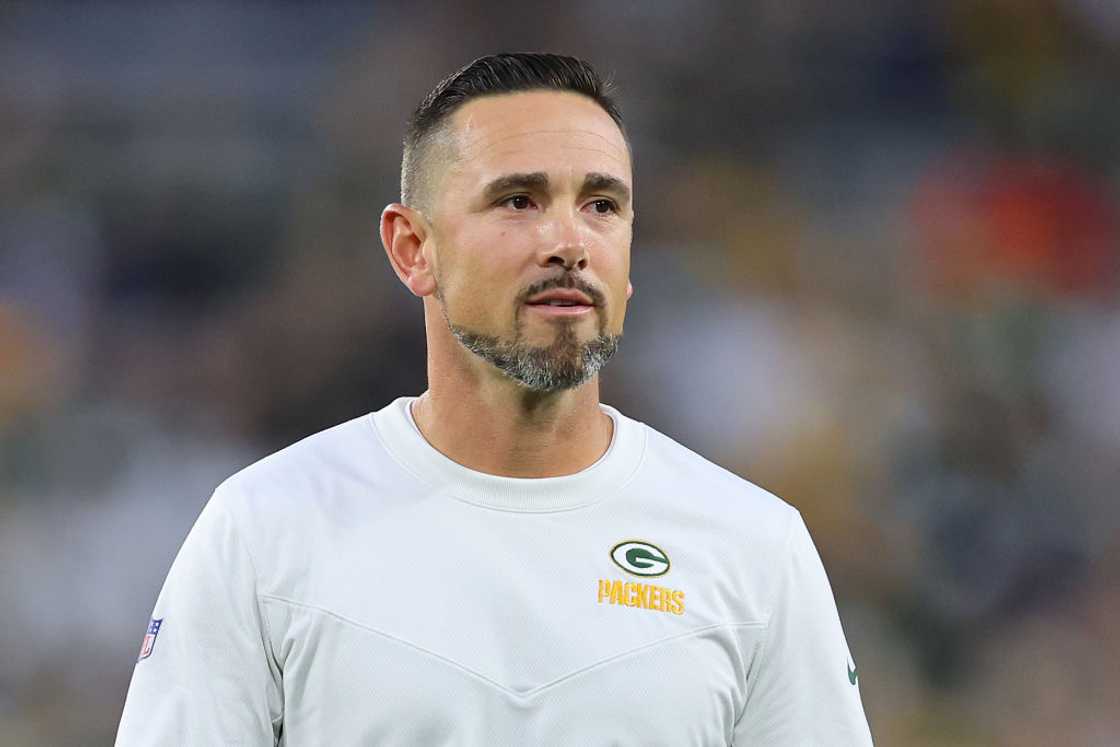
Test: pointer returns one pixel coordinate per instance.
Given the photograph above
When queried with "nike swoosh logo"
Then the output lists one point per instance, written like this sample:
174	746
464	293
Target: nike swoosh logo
853	675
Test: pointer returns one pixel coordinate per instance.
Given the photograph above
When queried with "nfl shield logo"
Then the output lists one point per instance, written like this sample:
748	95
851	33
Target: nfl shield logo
150	639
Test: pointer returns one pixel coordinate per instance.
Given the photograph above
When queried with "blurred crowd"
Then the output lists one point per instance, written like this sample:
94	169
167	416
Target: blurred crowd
877	272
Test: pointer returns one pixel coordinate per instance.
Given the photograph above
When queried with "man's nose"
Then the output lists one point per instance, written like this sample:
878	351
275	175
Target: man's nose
567	245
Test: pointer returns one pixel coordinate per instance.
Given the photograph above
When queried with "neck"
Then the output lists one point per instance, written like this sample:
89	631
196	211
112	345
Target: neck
485	421
500	428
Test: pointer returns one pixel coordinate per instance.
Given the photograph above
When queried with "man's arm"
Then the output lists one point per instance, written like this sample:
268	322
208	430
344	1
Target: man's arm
804	688
207	675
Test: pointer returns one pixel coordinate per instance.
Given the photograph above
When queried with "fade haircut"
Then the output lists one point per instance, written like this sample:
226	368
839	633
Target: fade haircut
491	76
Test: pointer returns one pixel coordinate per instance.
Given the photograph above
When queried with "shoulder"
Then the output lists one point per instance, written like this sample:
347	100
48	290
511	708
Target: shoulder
737	535
319	473
338	450
295	504
689	484
709	482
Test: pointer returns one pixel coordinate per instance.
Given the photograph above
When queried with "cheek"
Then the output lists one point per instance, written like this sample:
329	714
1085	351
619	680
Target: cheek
620	284
476	277
621	302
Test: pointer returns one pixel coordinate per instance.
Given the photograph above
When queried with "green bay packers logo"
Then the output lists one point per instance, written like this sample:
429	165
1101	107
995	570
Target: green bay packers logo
640	558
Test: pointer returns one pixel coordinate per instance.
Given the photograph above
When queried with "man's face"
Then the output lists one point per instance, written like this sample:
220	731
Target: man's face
531	222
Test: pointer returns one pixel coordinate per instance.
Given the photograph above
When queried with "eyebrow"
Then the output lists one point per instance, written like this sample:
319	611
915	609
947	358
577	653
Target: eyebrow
538	180
596	182
535	180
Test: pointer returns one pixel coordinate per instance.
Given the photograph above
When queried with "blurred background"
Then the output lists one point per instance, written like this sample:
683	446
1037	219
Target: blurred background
877	258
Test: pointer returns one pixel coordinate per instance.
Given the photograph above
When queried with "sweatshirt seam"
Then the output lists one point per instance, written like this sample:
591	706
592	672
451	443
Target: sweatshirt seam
763	644
518	694
787	556
244	545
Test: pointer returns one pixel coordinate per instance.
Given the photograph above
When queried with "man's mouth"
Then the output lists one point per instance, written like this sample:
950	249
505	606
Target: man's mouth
560	298
561	303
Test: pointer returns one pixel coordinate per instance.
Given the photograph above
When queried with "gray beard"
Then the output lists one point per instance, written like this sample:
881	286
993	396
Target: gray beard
565	364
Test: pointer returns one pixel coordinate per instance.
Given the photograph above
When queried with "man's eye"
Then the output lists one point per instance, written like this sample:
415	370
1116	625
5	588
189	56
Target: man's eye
604	206
518	202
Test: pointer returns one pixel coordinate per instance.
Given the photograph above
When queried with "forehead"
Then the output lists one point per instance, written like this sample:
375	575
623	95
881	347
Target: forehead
537	131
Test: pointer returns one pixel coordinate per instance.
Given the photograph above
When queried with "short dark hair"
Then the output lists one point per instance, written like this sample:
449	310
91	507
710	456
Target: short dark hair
490	76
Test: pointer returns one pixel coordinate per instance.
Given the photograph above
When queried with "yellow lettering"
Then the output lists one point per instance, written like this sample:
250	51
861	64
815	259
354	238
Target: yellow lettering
643	596
678	600
616	592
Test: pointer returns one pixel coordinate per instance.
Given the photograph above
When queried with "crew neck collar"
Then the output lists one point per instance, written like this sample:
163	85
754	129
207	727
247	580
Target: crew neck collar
402	438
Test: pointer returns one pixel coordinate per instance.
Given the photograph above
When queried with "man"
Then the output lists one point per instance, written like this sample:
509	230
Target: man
501	560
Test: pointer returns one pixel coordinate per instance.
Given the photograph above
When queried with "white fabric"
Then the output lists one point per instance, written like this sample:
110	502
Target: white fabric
359	588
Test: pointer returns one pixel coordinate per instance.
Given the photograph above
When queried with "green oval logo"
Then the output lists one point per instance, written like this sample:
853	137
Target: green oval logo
640	558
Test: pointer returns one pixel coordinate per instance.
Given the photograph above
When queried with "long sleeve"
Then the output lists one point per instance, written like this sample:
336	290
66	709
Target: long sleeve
806	688
206	675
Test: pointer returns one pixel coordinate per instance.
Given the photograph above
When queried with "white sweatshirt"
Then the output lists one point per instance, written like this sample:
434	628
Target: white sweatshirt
360	588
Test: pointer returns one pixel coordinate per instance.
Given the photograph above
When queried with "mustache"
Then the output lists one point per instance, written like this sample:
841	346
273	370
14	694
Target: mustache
569	281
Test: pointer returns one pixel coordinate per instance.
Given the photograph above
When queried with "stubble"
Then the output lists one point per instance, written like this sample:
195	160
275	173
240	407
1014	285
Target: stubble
565	364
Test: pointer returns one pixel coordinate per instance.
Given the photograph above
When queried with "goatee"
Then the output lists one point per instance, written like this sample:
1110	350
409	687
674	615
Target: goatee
565	364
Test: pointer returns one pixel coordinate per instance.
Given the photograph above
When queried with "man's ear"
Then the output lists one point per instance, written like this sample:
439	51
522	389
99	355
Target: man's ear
403	232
